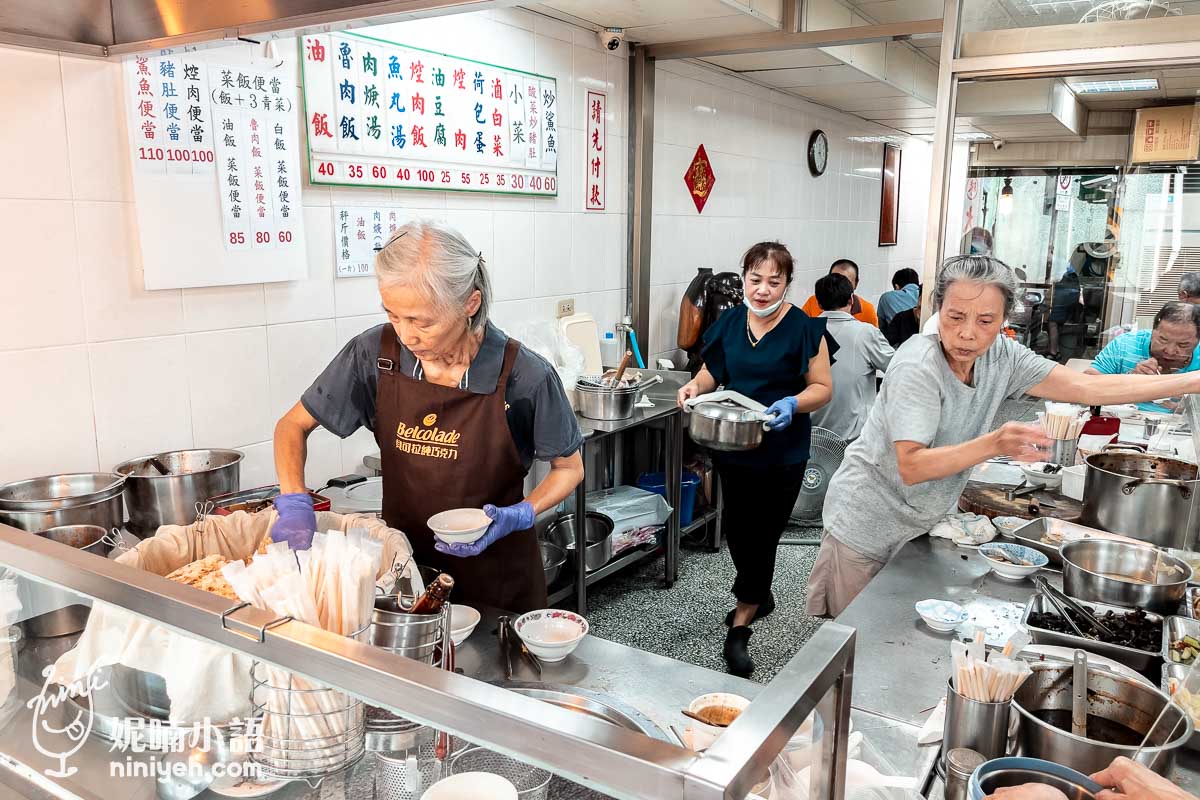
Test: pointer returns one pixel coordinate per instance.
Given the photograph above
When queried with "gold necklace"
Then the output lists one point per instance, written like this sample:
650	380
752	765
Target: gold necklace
756	340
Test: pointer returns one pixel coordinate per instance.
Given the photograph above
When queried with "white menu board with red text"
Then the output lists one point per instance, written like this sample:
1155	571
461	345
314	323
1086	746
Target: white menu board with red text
216	168
384	114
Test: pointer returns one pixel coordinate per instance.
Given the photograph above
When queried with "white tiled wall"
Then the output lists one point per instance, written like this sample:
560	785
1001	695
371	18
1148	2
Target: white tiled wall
757	142
96	369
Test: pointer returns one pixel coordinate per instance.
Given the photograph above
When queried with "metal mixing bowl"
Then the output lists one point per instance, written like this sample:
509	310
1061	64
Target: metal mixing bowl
553	558
1090	567
80	498
598	535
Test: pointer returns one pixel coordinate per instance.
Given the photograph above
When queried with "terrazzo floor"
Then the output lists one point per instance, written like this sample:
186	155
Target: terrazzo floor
687	621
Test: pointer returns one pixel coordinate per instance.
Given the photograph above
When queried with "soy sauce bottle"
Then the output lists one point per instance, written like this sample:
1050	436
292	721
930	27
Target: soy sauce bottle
435	596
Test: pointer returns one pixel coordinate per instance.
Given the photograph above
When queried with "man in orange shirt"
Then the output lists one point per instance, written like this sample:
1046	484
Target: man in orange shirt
860	309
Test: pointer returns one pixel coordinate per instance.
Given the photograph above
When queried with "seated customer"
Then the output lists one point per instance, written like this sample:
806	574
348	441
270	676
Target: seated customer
860	309
863	352
1168	348
905	295
1189	288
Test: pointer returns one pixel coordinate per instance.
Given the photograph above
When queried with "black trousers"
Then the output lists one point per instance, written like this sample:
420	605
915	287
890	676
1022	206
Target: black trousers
758	504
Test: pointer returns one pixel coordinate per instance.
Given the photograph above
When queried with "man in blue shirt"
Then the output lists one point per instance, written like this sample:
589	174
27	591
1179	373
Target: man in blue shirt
905	295
1169	347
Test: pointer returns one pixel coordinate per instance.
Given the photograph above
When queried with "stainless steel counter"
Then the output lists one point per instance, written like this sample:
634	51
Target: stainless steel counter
901	666
655	686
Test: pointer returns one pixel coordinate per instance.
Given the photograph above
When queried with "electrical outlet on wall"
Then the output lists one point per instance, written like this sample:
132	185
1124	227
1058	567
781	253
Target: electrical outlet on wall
566	307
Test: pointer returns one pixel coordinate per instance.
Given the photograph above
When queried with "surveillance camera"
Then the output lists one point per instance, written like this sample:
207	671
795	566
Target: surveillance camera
611	38
998	144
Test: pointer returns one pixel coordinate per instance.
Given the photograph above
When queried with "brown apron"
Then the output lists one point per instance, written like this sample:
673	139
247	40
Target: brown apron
443	447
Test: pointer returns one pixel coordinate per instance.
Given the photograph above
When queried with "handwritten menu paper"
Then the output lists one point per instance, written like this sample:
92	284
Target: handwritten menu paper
359	233
170	119
258	166
194	117
215	145
593	198
384	114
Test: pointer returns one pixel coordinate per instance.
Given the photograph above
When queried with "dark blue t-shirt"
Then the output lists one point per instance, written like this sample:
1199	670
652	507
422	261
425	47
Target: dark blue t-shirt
766	372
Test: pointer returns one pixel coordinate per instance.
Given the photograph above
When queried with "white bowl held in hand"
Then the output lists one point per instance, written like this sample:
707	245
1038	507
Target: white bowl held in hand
942	615
1004	568
551	634
463	620
459	525
471	786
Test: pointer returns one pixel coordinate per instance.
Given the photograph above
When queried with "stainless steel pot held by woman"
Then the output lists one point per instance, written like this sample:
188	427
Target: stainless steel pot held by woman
1144	496
726	421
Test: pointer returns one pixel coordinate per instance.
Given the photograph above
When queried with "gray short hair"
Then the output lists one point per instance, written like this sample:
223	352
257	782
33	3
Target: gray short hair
1181	312
986	270
438	261
1189	284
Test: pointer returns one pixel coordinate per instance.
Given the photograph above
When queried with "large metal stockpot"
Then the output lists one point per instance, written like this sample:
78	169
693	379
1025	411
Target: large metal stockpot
726	426
1124	574
80	498
605	404
154	499
1148	497
1112	698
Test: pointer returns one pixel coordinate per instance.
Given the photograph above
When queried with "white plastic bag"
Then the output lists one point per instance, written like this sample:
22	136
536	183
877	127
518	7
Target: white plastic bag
546	338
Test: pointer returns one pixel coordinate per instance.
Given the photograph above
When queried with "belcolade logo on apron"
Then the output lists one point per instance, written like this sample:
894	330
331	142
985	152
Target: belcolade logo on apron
427	439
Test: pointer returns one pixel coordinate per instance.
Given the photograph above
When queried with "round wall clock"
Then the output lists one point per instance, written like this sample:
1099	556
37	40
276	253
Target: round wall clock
818	153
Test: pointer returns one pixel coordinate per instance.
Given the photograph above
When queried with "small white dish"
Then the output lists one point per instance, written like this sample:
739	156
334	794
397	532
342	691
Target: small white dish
551	634
463	620
942	615
1034	474
1008	570
471	786
459	525
719	700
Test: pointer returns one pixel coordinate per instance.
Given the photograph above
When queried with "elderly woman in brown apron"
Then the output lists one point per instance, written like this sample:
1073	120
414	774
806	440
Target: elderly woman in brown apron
460	412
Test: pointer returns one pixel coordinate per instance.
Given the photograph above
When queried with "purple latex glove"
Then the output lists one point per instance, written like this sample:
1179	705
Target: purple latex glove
505	520
297	521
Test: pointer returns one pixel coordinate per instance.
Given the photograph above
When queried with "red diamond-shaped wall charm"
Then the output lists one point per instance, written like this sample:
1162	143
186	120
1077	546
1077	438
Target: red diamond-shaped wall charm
700	179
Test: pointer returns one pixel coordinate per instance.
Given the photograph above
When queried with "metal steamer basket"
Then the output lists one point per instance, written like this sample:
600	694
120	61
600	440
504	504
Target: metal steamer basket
303	731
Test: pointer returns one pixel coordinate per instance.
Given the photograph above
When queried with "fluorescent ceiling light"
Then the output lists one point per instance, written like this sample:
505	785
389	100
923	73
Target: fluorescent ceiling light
972	136
874	139
1124	85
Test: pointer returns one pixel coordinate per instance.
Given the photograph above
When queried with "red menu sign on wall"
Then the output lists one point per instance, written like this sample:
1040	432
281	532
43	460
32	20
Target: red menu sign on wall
593	197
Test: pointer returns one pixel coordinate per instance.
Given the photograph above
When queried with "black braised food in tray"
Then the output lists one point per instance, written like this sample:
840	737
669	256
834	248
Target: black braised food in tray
1133	629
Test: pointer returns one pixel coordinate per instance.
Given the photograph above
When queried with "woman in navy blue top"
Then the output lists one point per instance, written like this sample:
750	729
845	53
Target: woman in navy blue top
774	353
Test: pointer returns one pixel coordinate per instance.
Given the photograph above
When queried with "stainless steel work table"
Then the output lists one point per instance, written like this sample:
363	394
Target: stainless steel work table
900	665
655	686
666	417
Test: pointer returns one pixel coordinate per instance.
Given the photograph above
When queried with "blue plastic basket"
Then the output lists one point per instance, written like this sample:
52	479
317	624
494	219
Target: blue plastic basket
689	482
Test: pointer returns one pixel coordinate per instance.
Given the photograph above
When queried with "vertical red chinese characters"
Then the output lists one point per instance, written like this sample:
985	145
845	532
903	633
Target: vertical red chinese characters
594	152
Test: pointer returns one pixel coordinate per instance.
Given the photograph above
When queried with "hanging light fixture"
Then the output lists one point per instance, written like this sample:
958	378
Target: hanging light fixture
1006	198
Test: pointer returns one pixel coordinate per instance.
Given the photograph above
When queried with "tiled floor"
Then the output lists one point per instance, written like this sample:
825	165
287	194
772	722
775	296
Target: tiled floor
686	622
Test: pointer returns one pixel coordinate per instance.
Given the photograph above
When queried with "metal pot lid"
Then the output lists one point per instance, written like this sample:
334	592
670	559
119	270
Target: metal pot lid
726	411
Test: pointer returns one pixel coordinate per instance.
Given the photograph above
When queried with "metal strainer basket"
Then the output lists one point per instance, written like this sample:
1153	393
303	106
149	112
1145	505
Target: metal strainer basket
532	783
406	774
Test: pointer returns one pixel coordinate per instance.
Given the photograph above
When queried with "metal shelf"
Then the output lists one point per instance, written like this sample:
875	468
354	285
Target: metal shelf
699	521
625	560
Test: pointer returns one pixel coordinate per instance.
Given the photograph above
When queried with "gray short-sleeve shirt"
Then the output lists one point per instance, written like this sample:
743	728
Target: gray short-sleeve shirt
540	419
867	507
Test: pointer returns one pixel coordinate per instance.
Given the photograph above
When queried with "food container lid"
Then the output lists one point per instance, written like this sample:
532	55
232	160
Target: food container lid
963	761
726	410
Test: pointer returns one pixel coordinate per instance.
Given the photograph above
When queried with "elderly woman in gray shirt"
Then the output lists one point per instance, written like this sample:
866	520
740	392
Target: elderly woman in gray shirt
933	422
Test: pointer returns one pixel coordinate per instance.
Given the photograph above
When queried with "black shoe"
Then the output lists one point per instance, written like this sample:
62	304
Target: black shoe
764	610
737	655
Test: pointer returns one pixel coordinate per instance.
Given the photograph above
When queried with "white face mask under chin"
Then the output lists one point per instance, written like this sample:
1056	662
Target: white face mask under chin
762	312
